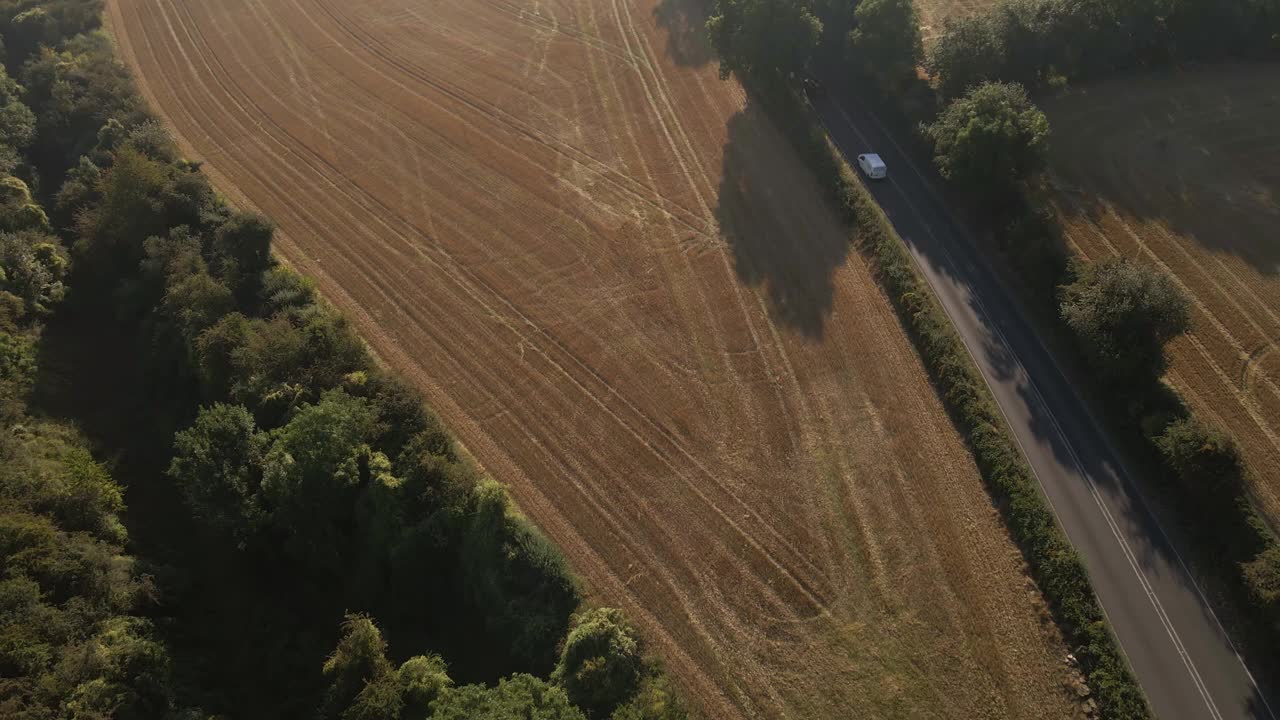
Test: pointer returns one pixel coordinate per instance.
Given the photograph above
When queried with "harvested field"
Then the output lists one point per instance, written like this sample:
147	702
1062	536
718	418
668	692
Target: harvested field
1183	170
609	274
935	13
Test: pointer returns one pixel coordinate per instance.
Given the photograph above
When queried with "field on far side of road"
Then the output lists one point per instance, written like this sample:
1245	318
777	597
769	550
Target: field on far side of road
1182	170
609	274
935	13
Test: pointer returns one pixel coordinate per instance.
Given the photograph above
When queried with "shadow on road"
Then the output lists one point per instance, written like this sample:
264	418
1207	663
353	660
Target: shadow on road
686	24
775	220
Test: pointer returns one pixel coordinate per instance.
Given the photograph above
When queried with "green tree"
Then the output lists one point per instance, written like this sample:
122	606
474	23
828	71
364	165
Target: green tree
435	478
285	291
1025	39
363	685
1206	460
67	646
290	359
18	353
33	266
602	661
28	25
113	230
993	143
1207	466
519	697
148	137
79	190
1123	313
359	660
218	364
764	39
217	463
422	679
311	476
193	303
966	54
73	91
18	210
515	578
121	672
1262	575
380	699
377	524
886	41
174	300
242	253
17	122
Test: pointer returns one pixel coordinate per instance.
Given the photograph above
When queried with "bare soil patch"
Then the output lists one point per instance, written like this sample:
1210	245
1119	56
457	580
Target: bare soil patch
1182	170
610	275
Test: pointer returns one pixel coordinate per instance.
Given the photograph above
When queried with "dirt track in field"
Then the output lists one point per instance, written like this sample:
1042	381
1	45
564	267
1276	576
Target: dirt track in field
1183	171
614	281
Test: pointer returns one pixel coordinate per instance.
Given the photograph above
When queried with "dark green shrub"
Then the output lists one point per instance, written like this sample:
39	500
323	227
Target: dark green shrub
602	662
1123	313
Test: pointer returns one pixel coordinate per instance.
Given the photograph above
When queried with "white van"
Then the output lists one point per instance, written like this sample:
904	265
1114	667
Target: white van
873	166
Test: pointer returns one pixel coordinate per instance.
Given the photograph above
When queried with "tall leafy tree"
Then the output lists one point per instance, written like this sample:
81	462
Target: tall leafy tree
363	685
992	143
241	251
17	122
886	41
516	577
764	39
422	679
33	266
1262	574
359	660
602	662
968	53
311	476
18	210
1124	313
217	462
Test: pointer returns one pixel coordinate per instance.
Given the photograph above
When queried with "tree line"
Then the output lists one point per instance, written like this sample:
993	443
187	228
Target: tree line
776	43
315	482
74	641
1046	43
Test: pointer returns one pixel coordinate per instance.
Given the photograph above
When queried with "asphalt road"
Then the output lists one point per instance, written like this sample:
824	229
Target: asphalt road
1182	656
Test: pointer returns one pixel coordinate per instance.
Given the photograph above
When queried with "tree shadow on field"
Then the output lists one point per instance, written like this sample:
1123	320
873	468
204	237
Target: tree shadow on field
686	24
774	217
1195	152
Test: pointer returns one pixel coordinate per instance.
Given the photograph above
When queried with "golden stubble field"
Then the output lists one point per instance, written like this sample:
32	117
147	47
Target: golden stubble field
609	274
1182	170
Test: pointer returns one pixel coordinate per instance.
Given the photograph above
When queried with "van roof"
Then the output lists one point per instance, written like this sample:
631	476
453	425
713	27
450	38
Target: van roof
874	160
